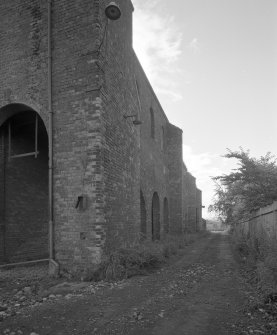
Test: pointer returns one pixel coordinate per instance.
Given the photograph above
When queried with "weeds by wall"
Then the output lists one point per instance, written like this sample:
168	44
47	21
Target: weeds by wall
139	258
260	255
256	240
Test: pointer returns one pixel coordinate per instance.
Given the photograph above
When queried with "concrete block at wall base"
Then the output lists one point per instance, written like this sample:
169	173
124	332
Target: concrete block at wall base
54	269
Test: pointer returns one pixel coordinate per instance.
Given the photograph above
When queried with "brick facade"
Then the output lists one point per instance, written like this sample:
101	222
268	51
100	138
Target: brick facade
118	168
192	203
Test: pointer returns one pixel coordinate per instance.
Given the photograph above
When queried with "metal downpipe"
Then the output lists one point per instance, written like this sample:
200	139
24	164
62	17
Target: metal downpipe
50	111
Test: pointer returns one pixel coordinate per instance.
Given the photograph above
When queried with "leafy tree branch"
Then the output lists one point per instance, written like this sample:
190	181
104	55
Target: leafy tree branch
253	184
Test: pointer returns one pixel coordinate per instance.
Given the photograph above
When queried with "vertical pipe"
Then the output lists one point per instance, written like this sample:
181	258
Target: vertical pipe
50	110
36	137
10	141
4	195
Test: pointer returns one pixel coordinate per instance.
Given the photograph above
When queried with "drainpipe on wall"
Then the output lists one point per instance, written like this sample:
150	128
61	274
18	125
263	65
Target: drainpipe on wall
53	266
4	199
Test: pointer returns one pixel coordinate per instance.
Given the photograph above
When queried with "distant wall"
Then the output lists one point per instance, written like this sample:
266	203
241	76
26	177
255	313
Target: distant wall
215	225
175	166
141	159
198	205
192	204
189	187
262	225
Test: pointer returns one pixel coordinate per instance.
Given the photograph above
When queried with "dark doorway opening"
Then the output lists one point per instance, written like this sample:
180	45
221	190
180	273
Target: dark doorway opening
23	186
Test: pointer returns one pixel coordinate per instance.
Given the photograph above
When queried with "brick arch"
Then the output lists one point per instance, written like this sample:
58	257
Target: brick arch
155	217
166	216
11	109
143	228
23	185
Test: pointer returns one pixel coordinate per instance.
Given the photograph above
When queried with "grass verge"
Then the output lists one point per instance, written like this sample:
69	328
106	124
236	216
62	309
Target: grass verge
139	258
260	257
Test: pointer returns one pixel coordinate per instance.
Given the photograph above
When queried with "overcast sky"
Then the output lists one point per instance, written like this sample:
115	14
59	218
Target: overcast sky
213	66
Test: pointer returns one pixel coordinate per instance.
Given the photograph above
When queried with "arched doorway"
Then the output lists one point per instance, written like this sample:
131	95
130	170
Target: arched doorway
23	185
142	216
155	217
166	216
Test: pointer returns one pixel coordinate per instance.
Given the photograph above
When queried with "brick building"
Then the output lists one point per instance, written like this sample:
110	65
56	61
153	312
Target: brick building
88	158
192	200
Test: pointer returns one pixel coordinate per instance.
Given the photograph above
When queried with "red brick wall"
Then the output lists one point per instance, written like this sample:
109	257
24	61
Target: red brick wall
154	170
79	145
98	154
23	62
192	203
143	216
23	65
166	215
134	159
175	167
78	163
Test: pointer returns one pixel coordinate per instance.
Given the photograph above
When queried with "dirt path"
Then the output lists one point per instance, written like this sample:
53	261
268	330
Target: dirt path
202	292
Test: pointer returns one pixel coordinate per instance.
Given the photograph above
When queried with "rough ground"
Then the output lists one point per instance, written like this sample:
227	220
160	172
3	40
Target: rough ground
200	292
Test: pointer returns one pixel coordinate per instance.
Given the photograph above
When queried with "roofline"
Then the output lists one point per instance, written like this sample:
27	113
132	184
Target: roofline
151	88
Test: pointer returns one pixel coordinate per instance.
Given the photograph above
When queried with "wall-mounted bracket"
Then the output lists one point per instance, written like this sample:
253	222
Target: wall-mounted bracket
81	202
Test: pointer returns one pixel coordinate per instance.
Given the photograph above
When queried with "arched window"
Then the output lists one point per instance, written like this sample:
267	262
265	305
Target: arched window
152	123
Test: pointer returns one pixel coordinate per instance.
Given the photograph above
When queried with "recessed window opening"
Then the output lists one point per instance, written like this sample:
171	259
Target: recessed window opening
24	185
18	127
